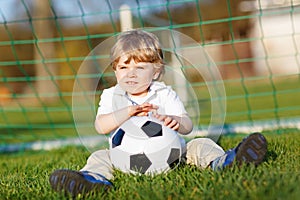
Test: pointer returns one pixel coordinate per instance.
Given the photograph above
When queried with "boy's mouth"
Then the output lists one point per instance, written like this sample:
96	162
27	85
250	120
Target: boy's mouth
131	82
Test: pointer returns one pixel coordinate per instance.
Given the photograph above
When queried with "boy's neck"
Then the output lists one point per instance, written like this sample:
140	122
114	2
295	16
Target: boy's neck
142	94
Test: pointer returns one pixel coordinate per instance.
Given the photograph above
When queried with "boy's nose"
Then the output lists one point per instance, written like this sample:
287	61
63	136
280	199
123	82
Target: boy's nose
131	73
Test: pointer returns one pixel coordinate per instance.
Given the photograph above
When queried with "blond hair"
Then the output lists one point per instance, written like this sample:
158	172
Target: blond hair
139	45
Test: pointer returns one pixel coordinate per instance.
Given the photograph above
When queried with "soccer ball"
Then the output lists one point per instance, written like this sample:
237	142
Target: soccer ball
143	145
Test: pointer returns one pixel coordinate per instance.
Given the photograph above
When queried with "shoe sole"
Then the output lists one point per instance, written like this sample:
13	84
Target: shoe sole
72	182
252	150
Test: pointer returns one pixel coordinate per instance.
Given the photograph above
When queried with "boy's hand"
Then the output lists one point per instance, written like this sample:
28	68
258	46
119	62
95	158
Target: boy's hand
142	110
169	121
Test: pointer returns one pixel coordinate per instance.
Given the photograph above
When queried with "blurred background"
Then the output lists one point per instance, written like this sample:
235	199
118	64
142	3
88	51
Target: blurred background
255	45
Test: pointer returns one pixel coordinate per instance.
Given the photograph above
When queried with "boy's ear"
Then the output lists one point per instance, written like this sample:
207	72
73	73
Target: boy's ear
156	74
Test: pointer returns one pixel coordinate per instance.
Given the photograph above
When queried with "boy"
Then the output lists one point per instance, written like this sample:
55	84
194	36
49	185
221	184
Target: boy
137	60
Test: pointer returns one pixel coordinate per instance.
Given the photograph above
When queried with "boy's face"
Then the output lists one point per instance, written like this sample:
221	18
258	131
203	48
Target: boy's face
135	78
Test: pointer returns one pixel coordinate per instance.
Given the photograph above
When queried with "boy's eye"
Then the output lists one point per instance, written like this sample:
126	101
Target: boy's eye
122	67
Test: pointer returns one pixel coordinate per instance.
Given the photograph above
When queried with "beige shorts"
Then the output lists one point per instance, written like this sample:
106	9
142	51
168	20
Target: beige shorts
200	152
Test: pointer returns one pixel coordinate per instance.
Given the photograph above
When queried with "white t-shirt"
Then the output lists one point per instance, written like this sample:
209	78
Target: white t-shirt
159	94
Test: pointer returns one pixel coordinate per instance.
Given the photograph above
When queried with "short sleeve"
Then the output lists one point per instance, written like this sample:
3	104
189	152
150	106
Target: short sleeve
172	104
105	104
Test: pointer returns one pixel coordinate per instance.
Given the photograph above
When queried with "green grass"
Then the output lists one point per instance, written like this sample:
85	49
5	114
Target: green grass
248	100
25	175
256	98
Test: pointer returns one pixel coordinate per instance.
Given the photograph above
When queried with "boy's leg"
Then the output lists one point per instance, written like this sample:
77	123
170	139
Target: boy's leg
94	175
99	163
202	151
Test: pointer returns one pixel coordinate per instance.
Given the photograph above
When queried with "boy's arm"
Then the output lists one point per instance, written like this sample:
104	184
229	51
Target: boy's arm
183	124
105	123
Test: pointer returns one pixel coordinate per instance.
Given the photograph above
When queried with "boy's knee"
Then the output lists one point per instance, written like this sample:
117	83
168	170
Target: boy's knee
201	151
201	141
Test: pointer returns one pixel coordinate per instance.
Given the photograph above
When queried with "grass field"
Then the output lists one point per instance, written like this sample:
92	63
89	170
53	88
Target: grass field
247	100
25	175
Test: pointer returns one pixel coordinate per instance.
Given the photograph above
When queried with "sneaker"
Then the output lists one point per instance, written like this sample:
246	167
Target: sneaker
252	149
76	182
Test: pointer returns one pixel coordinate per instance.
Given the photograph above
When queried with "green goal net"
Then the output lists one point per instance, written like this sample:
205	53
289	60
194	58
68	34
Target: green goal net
255	46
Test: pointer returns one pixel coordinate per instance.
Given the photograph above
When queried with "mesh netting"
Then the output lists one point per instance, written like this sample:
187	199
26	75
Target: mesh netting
254	44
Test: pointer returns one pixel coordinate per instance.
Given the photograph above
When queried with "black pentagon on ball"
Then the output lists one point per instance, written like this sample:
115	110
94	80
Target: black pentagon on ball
174	156
117	138
140	163
152	129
